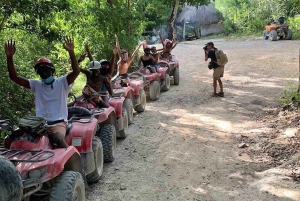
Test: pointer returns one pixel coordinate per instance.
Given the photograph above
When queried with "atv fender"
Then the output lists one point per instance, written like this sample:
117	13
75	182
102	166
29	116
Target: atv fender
81	134
102	113
117	104
163	71
136	86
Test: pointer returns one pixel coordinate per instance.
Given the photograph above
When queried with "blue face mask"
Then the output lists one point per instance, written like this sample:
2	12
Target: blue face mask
48	80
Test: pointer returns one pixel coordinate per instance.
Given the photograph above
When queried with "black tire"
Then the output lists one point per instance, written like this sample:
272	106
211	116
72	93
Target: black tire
95	176
123	132
154	91
128	105
141	107
166	86
266	37
108	137
289	34
273	35
68	186
11	187
78	110
176	76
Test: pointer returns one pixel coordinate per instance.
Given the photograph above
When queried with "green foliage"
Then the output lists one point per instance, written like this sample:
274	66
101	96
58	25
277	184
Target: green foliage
245	16
294	23
291	96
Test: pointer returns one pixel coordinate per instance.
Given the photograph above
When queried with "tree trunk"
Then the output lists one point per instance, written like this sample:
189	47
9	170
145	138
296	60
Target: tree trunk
298	91
171	20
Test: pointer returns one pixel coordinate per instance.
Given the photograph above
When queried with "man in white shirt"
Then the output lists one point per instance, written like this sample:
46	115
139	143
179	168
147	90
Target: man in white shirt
50	94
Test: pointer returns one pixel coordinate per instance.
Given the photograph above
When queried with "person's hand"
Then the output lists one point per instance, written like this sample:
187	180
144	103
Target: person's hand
116	37
144	42
69	44
10	48
158	31
86	47
115	50
82	56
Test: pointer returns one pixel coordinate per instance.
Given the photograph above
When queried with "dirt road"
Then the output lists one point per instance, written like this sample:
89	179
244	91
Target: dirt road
184	147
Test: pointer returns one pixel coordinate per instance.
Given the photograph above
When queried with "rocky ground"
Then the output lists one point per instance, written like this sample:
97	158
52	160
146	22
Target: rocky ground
191	146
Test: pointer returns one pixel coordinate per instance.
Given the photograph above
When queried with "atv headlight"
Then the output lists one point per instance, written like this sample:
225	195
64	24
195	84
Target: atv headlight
37	173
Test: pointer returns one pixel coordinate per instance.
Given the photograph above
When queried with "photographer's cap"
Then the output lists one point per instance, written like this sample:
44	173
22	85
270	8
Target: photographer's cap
209	43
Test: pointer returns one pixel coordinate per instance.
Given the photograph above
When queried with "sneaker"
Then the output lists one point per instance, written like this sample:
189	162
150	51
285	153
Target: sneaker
221	94
214	95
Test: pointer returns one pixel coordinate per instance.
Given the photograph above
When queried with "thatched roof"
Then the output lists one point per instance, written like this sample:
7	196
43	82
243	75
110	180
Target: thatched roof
201	15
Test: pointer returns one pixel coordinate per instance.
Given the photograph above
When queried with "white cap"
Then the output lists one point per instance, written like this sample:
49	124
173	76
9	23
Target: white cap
94	65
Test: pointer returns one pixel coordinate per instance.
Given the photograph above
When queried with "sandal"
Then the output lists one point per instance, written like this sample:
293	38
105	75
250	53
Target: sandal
221	94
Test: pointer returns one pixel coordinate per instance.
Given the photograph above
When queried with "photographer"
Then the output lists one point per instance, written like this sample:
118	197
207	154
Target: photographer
209	51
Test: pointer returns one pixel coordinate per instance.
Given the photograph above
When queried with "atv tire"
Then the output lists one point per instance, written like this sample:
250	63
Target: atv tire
123	132
289	34
95	176
11	186
108	137
273	35
68	186
266	37
141	107
166	86
128	105
154	91
176	76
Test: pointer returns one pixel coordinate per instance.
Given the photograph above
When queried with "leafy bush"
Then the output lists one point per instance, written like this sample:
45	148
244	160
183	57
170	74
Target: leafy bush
291	96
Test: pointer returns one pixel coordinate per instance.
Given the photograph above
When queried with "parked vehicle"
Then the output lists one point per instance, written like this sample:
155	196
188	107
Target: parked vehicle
53	173
107	122
134	94
273	30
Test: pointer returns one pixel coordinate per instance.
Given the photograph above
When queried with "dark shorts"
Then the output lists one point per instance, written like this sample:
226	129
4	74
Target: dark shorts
124	76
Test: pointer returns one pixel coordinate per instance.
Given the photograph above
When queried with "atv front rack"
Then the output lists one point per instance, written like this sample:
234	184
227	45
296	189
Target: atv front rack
35	156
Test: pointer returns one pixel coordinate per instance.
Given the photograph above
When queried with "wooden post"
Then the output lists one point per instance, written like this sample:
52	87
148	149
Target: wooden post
183	32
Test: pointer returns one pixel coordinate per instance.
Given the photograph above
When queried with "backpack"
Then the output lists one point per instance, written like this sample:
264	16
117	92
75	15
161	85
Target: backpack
221	57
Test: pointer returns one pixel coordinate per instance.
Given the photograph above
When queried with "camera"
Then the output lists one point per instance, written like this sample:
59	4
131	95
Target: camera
205	48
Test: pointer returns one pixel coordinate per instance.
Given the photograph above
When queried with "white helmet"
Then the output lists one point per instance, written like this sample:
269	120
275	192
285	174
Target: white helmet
94	65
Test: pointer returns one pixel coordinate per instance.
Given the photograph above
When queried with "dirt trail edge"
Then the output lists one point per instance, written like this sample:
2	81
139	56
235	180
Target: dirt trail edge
185	147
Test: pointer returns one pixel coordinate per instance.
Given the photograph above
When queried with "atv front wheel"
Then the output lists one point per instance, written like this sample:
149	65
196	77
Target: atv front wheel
266	37
123	132
141	107
166	86
176	76
273	35
95	176
108	137
68	186
289	34
128	105
154	90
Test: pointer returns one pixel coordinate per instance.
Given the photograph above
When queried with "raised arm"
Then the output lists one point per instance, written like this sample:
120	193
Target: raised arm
69	46
118	45
112	61
160	37
87	49
10	50
135	52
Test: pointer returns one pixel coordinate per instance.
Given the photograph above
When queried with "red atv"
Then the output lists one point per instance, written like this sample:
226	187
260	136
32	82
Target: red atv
107	122
155	81
134	94
173	65
51	173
